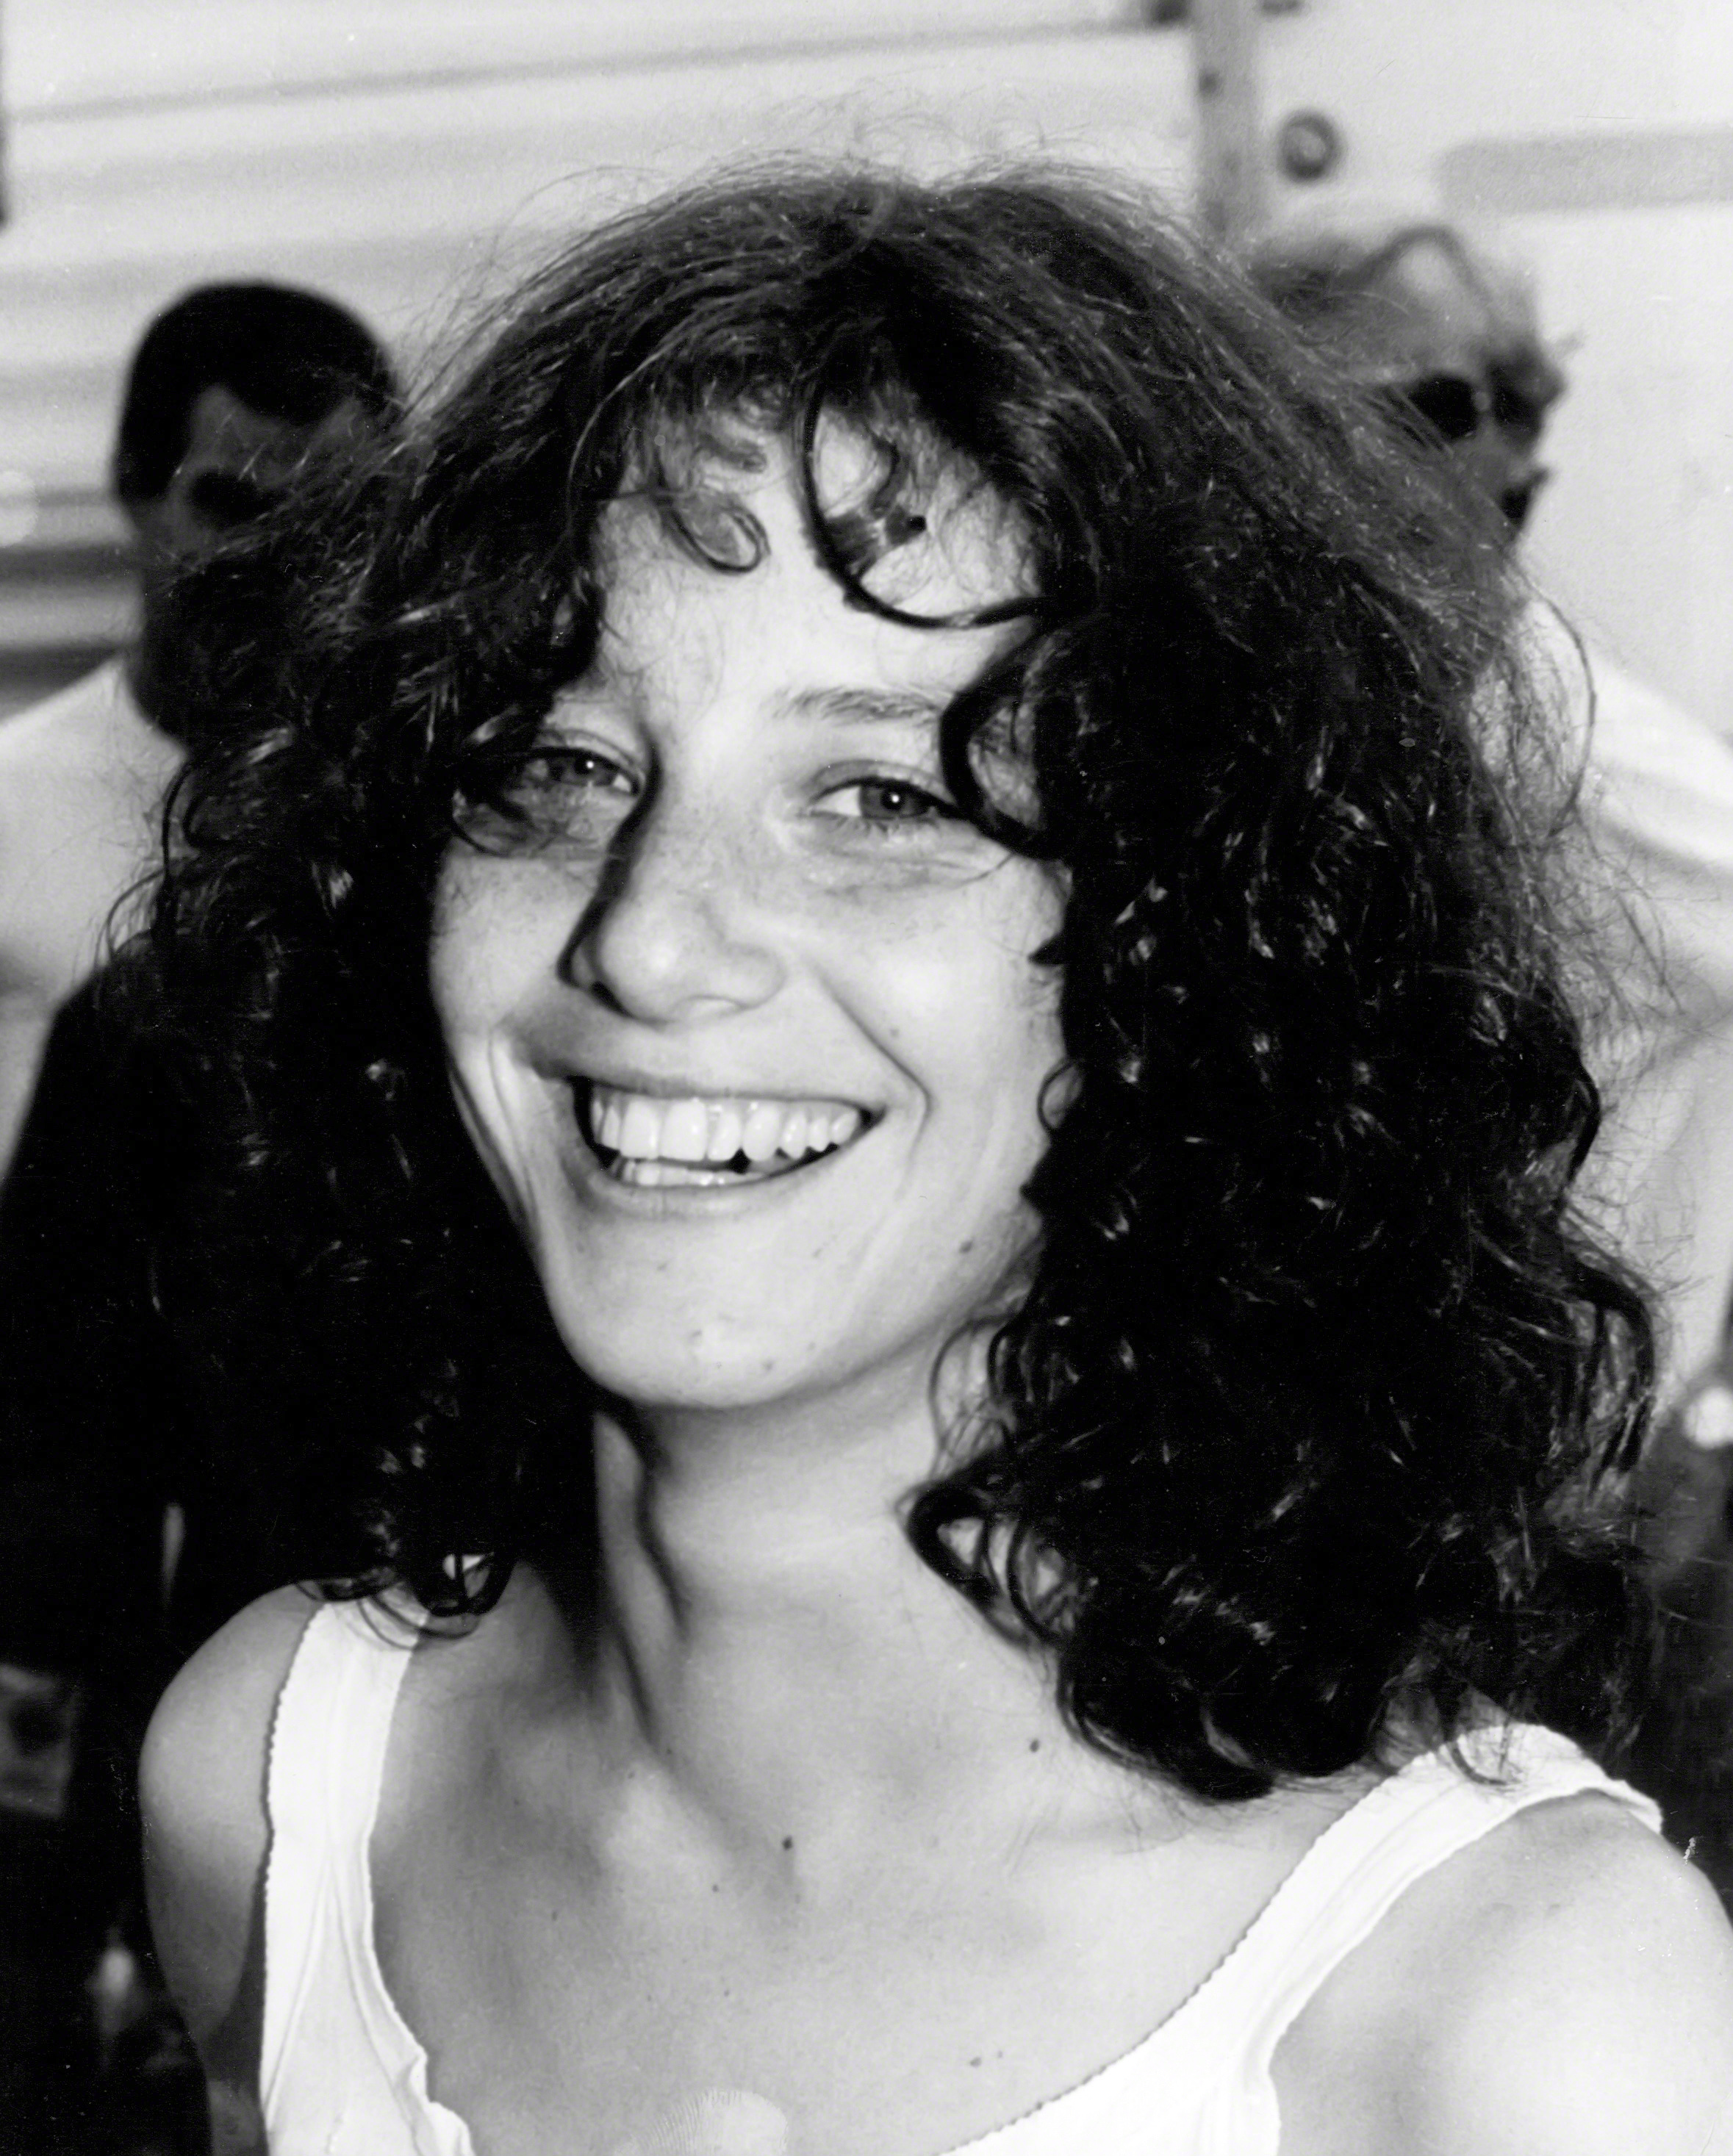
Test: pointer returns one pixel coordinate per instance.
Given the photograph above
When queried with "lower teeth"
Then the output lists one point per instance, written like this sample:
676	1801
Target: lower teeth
653	1174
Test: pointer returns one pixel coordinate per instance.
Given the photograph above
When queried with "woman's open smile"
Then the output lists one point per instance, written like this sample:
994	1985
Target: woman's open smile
697	1143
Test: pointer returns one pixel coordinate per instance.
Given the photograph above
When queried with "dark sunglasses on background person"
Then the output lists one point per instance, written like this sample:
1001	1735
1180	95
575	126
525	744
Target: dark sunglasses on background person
1455	406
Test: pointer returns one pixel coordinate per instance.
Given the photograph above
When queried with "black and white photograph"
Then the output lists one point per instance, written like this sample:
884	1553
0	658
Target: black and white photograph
865	1078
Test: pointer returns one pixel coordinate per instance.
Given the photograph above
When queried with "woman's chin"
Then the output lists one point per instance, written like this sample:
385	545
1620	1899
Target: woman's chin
729	1367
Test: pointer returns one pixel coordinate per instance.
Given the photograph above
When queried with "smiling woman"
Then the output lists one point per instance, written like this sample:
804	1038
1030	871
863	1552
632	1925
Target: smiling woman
743	1000
879	956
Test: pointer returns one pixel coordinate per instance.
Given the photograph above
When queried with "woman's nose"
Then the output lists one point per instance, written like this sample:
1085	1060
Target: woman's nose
678	927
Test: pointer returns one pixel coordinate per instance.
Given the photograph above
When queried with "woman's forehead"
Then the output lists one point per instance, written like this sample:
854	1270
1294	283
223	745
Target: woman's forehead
943	539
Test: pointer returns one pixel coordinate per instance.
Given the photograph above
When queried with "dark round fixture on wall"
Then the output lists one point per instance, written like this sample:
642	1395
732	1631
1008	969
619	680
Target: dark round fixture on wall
1308	145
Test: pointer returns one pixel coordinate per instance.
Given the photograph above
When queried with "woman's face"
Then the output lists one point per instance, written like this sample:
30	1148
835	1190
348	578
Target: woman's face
753	1042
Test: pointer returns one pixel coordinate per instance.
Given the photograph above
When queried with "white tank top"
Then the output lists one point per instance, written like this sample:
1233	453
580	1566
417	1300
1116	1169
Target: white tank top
342	2075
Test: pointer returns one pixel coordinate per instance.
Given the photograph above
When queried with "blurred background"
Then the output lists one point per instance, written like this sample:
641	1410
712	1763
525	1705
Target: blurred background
405	155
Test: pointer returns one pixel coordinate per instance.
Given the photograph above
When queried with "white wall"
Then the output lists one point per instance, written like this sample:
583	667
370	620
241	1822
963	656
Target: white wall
405	154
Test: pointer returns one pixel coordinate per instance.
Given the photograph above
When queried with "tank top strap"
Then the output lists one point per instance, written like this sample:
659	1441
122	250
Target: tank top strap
326	1766
1402	1829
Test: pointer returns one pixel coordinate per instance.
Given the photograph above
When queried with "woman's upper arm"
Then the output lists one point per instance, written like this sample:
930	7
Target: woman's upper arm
206	1832
1563	1989
1603	2022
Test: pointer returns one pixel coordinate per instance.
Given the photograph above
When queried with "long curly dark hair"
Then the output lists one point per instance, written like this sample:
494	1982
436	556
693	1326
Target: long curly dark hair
1313	1405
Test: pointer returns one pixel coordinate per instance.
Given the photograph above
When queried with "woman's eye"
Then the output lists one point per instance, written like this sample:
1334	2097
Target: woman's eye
889	801
564	792
573	771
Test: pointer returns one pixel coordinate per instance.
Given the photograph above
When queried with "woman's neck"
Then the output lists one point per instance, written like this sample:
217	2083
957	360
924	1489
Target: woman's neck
766	1635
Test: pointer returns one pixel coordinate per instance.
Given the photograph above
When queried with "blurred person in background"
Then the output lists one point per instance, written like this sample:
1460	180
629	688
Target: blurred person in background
115	1484
231	388
1451	336
236	390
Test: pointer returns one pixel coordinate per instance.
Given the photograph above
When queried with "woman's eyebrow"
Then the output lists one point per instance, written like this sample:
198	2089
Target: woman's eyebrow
873	706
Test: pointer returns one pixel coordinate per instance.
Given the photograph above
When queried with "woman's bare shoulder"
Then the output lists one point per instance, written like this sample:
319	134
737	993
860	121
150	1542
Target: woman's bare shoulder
1562	1988
202	1784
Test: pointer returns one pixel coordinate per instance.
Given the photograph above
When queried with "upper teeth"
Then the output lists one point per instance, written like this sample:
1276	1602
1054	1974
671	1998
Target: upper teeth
646	1126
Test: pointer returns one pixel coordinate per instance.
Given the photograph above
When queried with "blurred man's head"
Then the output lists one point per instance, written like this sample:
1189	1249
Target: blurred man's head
231	388
1451	336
